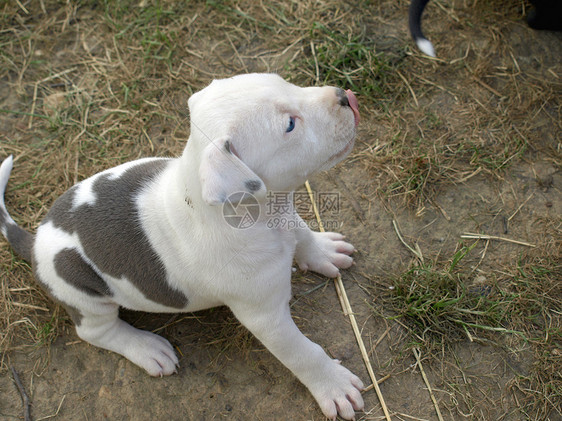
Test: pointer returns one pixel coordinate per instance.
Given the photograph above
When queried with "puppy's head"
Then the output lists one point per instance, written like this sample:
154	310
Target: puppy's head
257	132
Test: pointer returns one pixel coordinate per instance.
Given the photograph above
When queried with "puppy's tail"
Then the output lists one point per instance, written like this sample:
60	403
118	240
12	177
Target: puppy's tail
20	240
414	22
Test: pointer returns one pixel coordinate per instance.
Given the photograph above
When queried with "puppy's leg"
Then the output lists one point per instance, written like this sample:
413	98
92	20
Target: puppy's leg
147	350
322	252
336	389
88	299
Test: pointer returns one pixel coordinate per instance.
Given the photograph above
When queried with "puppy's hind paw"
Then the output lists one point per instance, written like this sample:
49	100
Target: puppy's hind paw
155	354
147	350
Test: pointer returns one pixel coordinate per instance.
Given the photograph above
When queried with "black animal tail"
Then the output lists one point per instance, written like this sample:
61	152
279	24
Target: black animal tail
20	240
414	22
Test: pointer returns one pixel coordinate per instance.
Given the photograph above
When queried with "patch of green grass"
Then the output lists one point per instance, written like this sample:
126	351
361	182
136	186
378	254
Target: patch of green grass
346	58
418	163
437	302
440	303
498	157
416	166
414	175
539	294
244	18
47	331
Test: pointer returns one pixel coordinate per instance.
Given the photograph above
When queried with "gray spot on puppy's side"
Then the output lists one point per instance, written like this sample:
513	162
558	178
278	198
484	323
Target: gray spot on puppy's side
70	266
111	233
73	312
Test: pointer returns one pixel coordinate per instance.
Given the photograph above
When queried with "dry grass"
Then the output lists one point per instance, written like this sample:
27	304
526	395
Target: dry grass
85	86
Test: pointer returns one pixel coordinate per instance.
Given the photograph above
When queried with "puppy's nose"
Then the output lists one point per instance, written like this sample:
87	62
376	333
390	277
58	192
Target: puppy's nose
348	99
341	94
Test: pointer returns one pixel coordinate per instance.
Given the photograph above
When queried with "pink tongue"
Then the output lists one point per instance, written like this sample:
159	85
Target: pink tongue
354	105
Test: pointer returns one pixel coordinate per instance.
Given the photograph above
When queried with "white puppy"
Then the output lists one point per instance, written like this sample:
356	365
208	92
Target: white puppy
151	235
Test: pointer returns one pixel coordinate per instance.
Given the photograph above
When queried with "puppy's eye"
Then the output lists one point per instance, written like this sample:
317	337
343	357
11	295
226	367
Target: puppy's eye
291	125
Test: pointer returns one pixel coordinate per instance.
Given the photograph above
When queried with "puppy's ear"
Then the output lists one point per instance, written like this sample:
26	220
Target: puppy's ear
224	176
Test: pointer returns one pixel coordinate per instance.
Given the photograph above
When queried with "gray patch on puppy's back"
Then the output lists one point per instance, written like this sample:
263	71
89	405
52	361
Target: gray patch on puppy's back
112	235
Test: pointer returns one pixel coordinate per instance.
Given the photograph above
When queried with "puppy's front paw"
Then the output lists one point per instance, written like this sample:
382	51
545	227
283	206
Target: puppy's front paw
339	393
325	253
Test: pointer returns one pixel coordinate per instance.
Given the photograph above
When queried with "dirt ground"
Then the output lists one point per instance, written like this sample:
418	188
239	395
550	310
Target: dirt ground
467	143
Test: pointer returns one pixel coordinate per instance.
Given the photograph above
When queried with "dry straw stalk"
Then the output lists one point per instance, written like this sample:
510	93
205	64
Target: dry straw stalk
346	307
